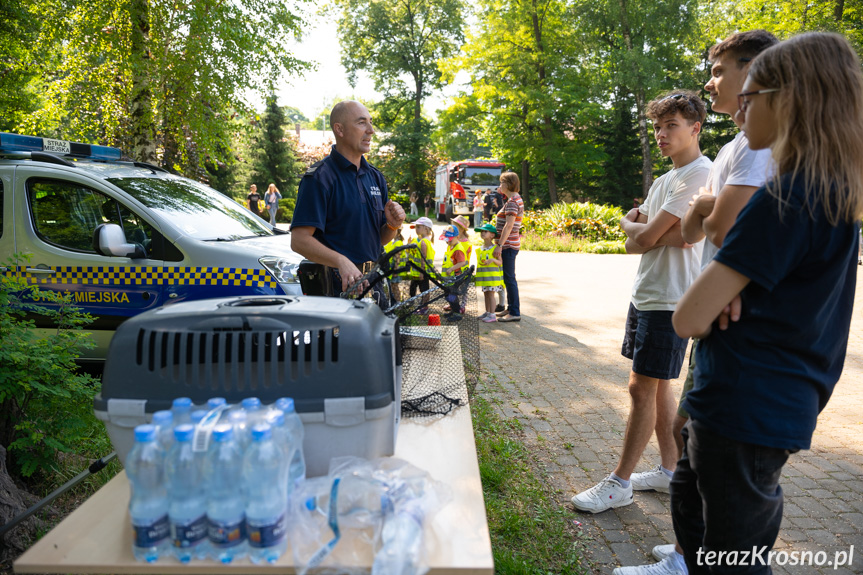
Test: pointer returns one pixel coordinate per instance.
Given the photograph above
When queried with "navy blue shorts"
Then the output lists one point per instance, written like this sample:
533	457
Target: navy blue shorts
650	342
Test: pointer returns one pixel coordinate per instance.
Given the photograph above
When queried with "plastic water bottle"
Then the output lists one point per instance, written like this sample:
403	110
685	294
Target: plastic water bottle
360	501
295	425
402	543
283	438
182	410
188	505
196	416
265	479
255	412
226	505
148	505
237	420
164	422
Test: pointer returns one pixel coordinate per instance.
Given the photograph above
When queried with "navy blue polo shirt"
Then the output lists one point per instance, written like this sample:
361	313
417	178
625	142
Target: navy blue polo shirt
765	379
345	205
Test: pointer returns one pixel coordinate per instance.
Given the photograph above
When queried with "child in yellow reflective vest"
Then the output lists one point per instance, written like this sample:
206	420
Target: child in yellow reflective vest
461	223
398	261
489	274
455	258
423	258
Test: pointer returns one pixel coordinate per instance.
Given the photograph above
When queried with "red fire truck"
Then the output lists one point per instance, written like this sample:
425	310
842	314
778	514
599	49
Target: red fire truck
456	183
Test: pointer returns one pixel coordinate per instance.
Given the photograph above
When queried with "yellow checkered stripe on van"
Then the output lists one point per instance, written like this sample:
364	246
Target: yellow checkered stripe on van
115	276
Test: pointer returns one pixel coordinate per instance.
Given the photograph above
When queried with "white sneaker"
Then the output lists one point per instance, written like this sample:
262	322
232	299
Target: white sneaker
655	479
663	551
606	494
668	566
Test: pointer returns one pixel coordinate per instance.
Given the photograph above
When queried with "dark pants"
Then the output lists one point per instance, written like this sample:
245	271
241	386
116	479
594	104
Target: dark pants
725	497
508	257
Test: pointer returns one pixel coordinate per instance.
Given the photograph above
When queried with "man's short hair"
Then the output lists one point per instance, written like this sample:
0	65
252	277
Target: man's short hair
338	115
686	102
744	46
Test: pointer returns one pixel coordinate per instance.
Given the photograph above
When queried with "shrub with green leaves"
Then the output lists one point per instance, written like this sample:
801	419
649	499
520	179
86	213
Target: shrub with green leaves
592	222
45	405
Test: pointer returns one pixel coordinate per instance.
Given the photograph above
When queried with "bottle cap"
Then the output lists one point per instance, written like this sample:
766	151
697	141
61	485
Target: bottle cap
223	433
182	404
197	416
184	432
145	432
215	402
261	432
251	403
163	417
286	404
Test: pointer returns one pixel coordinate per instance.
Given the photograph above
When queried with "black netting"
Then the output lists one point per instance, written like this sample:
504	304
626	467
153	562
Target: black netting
439	333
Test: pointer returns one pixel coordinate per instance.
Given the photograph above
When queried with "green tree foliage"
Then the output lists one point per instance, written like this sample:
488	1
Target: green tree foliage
638	48
528	90
399	44
274	158
158	78
20	69
45	407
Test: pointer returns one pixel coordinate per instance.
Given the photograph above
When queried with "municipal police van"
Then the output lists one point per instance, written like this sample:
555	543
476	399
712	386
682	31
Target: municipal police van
126	237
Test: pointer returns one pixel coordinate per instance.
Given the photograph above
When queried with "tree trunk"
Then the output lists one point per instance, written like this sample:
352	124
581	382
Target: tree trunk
839	10
143	126
547	125
644	137
525	181
12	503
640	107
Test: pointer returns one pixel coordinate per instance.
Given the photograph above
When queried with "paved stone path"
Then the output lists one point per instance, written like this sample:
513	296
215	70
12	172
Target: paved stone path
559	371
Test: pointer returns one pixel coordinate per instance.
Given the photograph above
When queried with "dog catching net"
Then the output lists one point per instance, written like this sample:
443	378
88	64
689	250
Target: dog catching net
438	326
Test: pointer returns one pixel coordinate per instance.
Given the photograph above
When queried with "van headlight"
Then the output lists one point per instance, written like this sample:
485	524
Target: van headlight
285	271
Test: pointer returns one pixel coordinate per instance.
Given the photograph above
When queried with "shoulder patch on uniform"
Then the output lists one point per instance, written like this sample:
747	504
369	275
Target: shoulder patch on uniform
313	167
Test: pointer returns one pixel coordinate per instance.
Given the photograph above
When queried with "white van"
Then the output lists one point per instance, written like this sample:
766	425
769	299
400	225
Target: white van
126	237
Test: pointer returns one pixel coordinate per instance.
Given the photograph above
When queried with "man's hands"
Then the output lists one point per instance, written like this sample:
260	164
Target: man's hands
349	273
394	213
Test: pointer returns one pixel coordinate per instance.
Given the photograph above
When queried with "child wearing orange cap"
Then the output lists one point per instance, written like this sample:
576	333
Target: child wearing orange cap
455	258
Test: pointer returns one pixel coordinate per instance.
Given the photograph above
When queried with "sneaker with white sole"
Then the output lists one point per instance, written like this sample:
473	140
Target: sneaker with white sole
606	494
490	318
655	480
663	551
668	566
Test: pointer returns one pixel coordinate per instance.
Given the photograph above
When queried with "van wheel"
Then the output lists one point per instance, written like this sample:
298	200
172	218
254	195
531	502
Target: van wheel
440	216
449	214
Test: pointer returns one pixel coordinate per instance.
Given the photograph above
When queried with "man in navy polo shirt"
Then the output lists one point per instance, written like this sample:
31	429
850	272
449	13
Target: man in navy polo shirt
344	215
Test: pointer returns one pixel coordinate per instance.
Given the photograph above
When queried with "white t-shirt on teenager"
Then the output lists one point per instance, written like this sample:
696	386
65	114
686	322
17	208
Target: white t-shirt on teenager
664	273
735	165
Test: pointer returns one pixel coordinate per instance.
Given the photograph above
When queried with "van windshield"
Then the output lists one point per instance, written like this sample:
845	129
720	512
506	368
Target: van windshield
199	211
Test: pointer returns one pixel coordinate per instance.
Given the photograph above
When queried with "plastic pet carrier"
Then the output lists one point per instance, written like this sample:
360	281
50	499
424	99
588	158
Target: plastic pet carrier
338	359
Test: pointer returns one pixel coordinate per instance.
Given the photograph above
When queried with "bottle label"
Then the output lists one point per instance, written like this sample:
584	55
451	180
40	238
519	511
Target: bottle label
152	534
225	534
266	533
189	534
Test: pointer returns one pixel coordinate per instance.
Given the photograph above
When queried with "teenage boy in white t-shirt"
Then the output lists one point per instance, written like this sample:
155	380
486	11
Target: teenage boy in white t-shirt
736	174
667	267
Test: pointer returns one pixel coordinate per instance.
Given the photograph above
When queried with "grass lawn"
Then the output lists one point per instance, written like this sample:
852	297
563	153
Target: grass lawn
531	534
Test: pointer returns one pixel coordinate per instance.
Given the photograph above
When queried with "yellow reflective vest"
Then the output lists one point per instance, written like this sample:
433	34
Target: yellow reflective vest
448	258
400	259
416	258
488	274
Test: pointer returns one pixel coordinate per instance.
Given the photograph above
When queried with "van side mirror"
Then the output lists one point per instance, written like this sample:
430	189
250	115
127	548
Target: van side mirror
109	240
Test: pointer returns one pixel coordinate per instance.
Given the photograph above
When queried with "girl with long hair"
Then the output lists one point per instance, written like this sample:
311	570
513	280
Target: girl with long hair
773	308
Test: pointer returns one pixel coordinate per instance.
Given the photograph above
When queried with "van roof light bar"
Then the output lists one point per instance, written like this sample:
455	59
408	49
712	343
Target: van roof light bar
18	143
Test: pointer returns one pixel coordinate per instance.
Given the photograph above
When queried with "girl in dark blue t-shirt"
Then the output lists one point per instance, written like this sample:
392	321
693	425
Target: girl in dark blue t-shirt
774	306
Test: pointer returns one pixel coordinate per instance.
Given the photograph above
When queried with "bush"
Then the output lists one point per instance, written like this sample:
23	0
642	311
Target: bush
45	406
593	222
